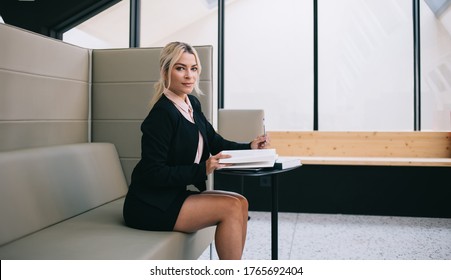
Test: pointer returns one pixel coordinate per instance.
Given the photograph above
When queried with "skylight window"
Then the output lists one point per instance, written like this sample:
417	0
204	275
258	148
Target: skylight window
438	6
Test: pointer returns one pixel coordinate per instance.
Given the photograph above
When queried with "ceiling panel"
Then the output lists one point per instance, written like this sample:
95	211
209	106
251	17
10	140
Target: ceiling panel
44	16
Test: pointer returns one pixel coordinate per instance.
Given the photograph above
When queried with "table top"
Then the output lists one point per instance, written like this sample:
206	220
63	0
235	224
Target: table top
256	172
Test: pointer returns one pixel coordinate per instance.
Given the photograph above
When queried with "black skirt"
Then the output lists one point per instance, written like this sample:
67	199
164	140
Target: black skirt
140	215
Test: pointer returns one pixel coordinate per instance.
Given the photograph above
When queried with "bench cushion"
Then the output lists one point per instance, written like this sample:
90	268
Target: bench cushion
101	234
43	186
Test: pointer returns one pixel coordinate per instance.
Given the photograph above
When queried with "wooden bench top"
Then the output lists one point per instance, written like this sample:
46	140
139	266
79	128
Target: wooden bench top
376	161
365	148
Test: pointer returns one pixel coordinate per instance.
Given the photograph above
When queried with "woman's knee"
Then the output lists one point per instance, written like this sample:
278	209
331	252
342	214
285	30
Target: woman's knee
243	202
235	207
230	204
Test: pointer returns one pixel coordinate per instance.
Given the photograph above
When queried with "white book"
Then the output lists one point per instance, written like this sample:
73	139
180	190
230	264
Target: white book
252	158
287	162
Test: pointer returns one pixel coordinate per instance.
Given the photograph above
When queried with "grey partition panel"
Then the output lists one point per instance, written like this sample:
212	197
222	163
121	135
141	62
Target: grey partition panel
44	91
122	86
241	125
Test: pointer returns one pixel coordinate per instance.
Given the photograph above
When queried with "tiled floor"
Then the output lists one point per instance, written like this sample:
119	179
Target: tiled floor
347	237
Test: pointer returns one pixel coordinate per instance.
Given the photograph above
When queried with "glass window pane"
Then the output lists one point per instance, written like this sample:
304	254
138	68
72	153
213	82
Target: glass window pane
268	61
435	69
108	29
191	21
365	65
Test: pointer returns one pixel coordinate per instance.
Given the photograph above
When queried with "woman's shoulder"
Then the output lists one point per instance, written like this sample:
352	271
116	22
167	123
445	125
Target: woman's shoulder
164	104
163	108
194	101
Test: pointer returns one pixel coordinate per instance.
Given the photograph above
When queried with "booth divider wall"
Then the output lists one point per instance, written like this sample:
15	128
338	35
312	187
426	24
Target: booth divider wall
44	91
46	88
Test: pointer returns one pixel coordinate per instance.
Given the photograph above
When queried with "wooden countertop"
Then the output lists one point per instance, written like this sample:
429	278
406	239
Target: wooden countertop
376	161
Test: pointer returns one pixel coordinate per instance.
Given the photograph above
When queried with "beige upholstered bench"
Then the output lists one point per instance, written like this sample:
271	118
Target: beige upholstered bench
60	199
65	202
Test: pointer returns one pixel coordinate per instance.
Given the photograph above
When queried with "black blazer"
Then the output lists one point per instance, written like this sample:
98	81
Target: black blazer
168	148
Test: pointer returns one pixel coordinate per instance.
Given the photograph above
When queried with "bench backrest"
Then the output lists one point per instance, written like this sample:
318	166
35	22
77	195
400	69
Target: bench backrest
42	186
44	91
122	86
241	125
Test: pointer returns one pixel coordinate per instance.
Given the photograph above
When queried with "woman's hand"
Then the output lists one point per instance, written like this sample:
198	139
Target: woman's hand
260	142
213	162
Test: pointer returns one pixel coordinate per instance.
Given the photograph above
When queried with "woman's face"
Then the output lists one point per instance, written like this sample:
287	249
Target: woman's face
184	75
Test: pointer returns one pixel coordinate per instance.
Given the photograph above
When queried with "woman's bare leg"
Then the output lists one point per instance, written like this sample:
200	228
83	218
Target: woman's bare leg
244	206
225	210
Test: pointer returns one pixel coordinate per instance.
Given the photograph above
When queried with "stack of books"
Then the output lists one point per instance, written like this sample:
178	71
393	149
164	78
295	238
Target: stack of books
257	159
260	158
287	162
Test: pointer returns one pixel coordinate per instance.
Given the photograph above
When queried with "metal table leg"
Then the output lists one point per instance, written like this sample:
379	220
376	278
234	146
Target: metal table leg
274	218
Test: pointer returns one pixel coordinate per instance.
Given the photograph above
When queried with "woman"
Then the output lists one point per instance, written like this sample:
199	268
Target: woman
180	148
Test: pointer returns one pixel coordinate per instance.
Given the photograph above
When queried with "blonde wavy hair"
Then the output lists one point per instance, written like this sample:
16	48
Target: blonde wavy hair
169	55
